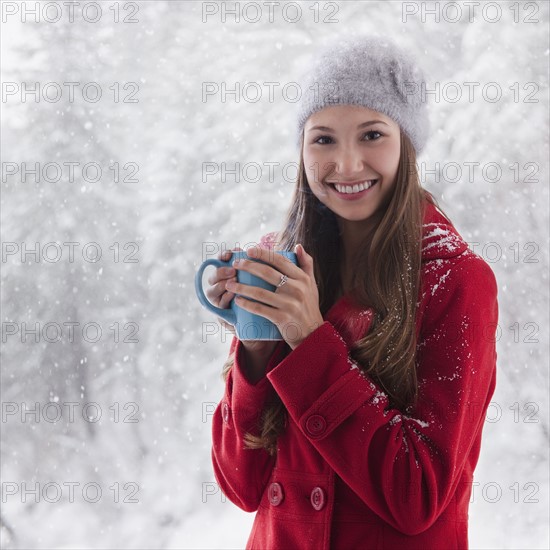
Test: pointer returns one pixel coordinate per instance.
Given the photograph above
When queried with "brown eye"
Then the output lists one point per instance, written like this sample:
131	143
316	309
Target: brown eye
370	133
320	140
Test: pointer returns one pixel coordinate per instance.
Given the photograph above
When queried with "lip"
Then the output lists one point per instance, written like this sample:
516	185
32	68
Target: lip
352	196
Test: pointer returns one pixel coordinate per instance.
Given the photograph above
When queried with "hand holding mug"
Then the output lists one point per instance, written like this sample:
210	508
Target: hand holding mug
248	326
276	299
218	295
294	305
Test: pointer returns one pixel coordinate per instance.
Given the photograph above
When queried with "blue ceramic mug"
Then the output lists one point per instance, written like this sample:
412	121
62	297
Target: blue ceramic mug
248	326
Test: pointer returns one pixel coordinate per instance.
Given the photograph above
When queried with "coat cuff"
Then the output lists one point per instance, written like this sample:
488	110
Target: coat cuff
251	396
319	384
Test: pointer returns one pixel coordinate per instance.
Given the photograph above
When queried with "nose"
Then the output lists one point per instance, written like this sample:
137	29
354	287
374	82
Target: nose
349	162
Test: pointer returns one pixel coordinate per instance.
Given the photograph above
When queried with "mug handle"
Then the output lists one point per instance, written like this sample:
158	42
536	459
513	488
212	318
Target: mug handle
226	314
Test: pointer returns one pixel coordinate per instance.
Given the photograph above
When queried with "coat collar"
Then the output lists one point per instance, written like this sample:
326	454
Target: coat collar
440	239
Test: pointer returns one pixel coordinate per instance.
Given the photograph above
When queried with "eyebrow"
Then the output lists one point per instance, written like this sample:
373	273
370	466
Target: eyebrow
363	125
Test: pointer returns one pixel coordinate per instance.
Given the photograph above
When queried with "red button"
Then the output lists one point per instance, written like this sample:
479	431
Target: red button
225	412
317	498
275	494
316	425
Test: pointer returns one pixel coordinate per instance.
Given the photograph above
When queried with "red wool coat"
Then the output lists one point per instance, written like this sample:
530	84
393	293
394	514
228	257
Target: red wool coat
350	471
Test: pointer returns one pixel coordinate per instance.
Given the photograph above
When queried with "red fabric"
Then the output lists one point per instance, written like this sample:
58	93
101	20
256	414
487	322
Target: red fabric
350	471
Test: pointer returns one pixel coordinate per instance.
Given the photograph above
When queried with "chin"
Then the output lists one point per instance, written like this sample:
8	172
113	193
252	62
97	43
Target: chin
355	216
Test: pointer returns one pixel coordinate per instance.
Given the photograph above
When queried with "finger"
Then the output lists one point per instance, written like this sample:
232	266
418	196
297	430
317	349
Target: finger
226	300
278	261
215	292
221	274
258	308
226	254
305	261
263	271
263	295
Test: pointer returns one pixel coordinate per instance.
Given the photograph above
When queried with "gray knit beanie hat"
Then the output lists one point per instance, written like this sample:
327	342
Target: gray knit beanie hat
373	72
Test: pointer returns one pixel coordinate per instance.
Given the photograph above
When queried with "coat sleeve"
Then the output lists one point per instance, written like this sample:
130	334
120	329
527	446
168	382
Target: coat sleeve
405	468
241	473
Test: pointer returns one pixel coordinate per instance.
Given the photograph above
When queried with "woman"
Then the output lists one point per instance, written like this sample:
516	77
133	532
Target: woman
362	428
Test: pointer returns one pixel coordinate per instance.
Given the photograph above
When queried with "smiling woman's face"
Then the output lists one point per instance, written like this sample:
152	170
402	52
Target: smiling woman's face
346	149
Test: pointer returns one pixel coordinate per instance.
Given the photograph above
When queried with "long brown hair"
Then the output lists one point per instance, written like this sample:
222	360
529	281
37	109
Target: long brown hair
387	279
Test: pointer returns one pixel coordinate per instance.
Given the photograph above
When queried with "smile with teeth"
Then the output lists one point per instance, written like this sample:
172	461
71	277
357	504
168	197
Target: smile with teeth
350	189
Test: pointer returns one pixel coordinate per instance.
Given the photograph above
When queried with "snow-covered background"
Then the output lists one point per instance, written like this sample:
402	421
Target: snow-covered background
140	476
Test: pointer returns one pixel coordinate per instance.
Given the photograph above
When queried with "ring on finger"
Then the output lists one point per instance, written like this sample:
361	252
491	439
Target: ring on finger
284	279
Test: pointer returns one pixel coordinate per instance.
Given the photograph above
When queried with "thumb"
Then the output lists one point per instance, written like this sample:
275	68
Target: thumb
305	261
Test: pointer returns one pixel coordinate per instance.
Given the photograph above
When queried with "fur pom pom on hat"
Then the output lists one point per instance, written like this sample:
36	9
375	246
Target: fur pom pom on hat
369	71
